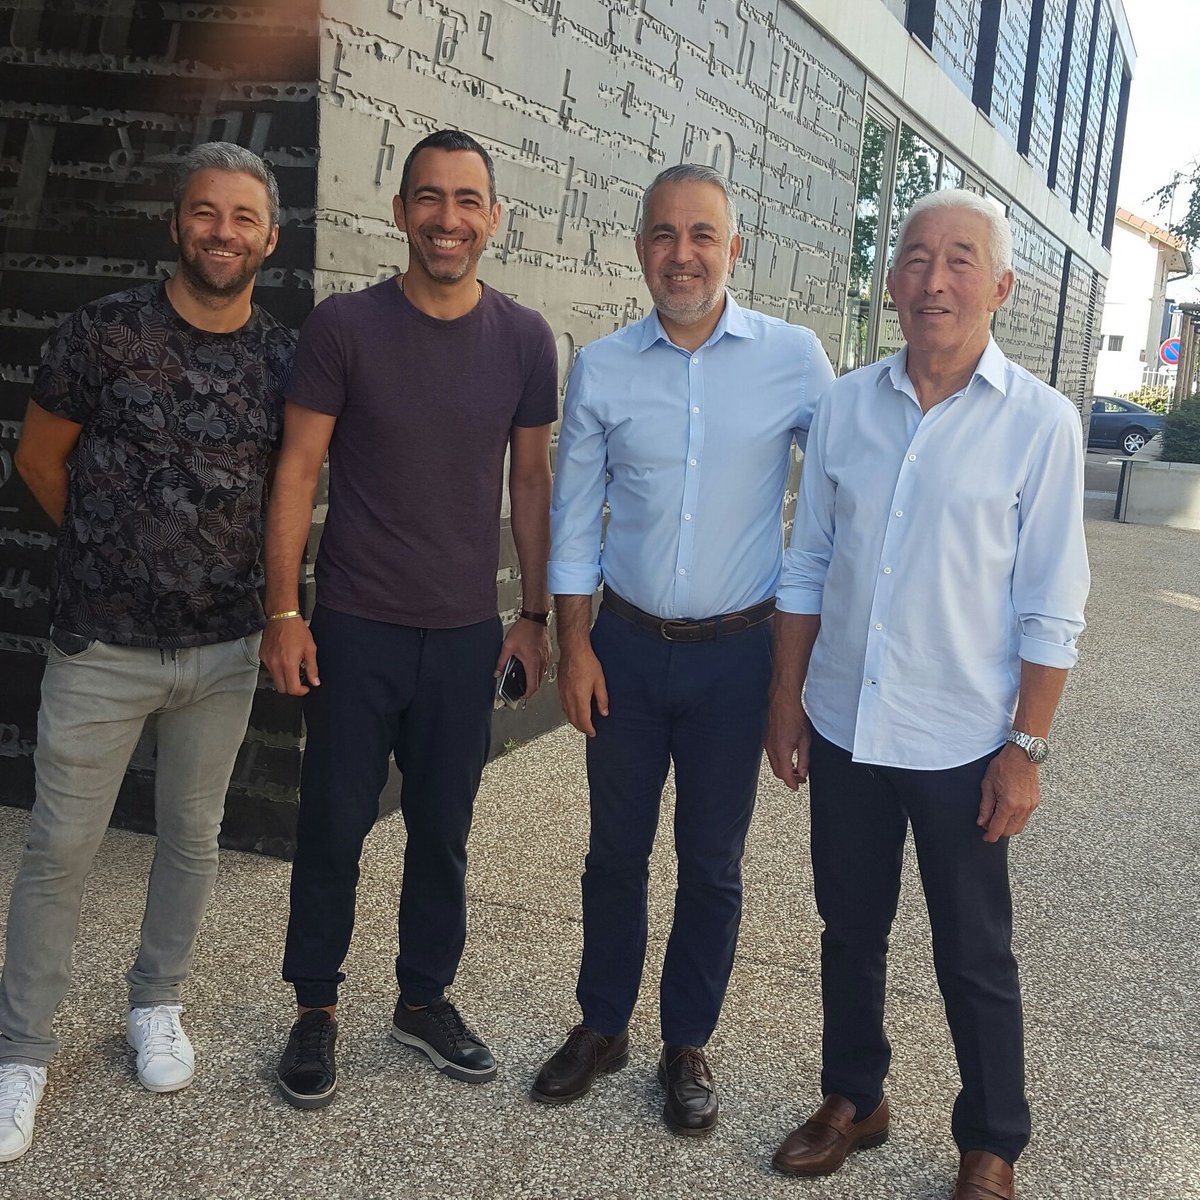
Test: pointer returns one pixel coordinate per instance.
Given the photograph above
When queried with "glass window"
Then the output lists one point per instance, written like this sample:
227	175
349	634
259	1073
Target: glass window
951	176
864	243
1116	341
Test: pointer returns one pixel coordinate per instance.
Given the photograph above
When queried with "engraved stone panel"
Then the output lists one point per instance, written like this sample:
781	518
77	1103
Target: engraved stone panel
1090	134
1111	102
1024	328
1076	360
955	40
1072	115
1008	83
1050	49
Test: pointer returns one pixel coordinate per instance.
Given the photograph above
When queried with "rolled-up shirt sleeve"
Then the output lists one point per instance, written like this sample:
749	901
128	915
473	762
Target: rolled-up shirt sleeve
806	562
576	510
1051	577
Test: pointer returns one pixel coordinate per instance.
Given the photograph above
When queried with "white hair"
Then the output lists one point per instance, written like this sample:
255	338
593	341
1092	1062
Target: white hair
999	230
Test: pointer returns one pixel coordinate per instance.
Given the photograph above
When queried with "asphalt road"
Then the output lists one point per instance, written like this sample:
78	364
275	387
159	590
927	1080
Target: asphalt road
1099	478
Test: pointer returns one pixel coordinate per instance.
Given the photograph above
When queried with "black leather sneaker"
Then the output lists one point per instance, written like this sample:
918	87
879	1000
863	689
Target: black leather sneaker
307	1074
439	1031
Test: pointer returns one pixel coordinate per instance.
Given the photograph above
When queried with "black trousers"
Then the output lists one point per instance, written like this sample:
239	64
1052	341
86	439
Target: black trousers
424	696
702	706
860	817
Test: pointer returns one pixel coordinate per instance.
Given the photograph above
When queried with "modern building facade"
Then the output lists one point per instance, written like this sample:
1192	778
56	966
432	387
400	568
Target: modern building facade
828	116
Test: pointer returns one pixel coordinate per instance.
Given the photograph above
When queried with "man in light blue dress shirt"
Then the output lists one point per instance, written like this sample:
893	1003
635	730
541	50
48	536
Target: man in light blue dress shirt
684	422
930	601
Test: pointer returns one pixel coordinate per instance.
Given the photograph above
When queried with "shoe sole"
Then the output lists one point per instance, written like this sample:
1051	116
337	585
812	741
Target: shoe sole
167	1087
462	1074
868	1143
305	1100
609	1068
10	1155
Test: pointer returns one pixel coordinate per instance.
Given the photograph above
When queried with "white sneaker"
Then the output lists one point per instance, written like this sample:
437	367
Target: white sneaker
21	1088
166	1061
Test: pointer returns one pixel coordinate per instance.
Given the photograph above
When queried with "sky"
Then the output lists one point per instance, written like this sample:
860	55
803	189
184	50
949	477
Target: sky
1162	132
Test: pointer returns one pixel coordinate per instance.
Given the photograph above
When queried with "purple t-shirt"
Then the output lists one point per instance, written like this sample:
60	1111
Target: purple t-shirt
425	409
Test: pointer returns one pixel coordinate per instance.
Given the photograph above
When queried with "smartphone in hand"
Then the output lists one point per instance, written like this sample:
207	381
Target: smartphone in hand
510	687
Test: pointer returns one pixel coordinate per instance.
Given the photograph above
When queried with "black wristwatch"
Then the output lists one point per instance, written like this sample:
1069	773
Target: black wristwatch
538	618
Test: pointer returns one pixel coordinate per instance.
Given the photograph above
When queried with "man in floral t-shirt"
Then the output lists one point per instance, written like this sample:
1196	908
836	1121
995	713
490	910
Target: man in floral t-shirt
153	419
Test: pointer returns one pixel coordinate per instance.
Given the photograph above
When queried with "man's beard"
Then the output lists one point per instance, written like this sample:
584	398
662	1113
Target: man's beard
199	278
687	312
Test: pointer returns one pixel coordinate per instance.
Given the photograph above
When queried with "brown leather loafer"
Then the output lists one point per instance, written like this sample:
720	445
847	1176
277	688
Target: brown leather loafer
983	1176
692	1106
821	1144
573	1068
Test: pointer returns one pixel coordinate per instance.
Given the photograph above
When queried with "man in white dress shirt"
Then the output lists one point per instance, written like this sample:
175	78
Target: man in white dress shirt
928	611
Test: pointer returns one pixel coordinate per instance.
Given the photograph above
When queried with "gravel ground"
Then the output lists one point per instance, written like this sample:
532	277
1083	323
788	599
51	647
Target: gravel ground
1106	889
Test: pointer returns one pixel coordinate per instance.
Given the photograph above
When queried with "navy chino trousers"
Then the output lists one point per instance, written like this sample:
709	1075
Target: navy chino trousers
701	705
860	818
425	697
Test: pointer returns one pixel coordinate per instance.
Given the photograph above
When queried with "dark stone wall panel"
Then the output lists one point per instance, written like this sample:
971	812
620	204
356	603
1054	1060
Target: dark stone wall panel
1073	114
1090	150
96	109
1076	363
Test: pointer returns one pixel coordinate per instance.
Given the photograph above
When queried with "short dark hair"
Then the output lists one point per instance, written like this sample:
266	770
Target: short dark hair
226	156
449	139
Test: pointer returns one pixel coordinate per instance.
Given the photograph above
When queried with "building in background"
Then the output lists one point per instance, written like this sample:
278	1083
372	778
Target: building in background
1137	317
828	116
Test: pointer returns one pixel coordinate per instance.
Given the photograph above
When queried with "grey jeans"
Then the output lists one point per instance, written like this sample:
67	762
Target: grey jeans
95	702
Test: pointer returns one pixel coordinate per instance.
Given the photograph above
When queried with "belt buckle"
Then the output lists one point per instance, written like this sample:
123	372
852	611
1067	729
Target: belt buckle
665	630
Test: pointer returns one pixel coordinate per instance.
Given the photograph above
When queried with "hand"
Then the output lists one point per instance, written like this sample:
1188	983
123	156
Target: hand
789	736
530	642
1009	793
287	650
580	680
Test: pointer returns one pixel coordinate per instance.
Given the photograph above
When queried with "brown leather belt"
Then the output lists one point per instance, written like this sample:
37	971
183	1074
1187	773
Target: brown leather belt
688	631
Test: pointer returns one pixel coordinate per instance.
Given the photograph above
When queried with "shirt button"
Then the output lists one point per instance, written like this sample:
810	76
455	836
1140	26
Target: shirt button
887	570
869	682
696	360
878	626
695	410
682	571
899	512
687	516
691	462
912	458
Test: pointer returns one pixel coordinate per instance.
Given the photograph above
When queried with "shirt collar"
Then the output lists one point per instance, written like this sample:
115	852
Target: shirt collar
991	368
733	322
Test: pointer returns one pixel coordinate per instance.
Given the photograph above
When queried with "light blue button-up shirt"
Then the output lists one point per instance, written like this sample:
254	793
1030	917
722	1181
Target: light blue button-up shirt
940	549
691	450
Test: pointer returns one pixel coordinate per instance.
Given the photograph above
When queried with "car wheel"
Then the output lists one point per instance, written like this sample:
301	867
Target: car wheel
1132	440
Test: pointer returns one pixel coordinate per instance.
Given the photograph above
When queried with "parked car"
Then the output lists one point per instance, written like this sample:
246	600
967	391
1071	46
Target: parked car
1121	424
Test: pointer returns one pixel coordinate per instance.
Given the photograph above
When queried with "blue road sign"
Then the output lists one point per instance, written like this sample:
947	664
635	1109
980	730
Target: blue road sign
1169	352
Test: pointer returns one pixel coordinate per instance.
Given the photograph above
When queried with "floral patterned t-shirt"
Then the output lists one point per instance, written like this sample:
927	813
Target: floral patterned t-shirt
163	528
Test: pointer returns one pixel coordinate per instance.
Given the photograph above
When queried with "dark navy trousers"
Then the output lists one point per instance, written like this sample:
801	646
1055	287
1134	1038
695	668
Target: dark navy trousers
423	696
860	818
701	706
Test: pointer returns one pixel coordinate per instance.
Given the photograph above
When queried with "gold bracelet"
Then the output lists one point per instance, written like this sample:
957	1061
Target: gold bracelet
284	616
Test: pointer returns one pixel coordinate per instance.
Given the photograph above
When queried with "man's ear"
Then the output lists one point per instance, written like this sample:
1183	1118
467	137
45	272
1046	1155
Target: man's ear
398	213
175	226
1004	287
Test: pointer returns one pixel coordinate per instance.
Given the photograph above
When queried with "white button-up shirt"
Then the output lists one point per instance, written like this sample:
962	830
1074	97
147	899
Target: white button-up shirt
940	549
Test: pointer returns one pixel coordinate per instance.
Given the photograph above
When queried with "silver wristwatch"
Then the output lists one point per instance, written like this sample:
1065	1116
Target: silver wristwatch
1037	748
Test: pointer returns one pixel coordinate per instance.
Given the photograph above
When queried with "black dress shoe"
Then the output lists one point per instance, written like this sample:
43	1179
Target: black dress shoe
692	1105
452	1046
573	1068
307	1074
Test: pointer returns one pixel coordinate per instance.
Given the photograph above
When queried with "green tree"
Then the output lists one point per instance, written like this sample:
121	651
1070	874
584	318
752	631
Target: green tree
1187	227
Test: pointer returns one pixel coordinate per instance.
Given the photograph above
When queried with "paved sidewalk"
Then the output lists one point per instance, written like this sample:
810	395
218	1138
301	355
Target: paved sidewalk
1107	892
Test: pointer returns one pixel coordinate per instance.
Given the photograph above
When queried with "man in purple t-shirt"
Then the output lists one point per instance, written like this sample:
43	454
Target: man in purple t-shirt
416	387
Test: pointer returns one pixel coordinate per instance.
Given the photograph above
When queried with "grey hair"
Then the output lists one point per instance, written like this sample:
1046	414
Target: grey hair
999	230
691	173
225	156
